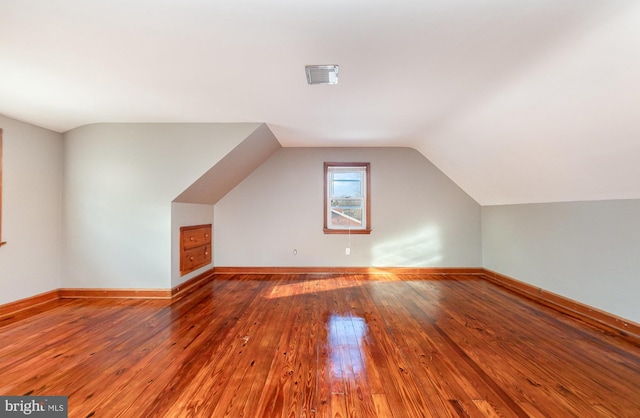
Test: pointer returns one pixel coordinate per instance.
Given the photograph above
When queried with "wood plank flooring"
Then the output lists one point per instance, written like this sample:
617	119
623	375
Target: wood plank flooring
322	346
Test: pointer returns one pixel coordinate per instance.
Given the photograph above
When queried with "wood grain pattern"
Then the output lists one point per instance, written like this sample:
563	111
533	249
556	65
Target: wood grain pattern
322	345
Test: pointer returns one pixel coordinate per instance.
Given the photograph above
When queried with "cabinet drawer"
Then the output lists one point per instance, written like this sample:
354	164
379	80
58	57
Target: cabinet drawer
195	247
195	258
195	237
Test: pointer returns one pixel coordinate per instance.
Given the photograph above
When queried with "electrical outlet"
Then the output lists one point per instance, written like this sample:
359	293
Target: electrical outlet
347	251
295	252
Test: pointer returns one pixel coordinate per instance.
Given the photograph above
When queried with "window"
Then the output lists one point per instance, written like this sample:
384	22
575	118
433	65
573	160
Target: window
1	242
347	208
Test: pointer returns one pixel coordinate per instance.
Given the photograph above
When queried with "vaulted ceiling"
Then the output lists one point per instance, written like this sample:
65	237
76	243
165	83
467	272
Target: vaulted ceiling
517	101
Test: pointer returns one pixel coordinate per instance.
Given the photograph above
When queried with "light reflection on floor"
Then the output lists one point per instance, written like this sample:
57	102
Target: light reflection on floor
345	338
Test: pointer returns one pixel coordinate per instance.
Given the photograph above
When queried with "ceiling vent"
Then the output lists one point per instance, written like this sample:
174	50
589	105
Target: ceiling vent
322	74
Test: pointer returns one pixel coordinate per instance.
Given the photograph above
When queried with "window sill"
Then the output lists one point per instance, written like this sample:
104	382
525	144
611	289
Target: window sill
346	231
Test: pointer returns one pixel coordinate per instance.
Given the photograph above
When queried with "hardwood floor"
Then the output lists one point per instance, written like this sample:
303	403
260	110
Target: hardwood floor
322	346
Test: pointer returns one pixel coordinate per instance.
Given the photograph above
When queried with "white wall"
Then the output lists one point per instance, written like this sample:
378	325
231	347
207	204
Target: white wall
31	206
419	216
119	228
119	182
186	214
586	251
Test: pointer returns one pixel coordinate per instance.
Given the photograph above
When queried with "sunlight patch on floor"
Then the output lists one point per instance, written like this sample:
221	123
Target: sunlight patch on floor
309	286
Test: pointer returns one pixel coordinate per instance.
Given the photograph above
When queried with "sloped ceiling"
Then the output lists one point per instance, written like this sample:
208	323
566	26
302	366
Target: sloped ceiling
232	168
516	101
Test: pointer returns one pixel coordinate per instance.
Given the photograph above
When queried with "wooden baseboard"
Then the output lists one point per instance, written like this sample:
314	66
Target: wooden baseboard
114	294
12	308
568	306
192	284
349	270
179	290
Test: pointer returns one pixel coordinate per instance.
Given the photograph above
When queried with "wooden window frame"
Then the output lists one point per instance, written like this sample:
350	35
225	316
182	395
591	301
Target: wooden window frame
367	201
1	242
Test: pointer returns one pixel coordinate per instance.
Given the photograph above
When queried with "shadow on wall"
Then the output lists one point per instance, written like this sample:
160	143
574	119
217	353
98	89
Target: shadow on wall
421	248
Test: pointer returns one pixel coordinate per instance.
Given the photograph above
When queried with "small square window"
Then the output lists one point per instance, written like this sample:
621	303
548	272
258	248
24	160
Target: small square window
347	198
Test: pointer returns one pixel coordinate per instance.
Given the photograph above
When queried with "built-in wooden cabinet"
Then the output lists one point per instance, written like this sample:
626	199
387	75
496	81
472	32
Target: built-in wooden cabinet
195	247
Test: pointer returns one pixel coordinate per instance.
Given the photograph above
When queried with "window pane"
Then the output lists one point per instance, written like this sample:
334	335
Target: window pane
347	184
346	198
349	216
338	221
